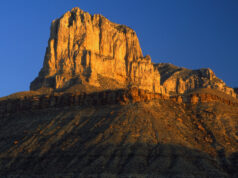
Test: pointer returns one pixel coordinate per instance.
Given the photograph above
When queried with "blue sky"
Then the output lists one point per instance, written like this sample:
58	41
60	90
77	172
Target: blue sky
188	33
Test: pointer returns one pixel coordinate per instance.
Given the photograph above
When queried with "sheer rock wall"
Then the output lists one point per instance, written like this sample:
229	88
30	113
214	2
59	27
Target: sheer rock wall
90	50
82	46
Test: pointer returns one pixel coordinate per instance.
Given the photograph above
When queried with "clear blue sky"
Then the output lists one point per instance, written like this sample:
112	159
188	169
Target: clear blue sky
188	33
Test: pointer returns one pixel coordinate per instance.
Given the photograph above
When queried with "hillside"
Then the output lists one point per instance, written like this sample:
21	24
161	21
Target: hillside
157	137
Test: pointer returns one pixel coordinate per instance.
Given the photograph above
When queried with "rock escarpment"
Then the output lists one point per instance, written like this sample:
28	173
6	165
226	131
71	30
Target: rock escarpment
177	80
31	102
90	52
90	49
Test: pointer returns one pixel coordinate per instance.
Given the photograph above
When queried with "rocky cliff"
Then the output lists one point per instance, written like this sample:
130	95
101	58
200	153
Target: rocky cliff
177	80
90	49
35	101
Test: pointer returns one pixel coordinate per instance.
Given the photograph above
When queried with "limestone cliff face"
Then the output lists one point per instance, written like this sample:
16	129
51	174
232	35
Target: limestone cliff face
90	49
177	80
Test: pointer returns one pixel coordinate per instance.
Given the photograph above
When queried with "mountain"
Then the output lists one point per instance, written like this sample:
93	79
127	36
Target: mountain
99	108
90	50
177	80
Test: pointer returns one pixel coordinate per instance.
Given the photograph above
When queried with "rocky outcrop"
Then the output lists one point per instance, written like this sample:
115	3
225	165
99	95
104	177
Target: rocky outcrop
91	53
122	96
178	80
89	49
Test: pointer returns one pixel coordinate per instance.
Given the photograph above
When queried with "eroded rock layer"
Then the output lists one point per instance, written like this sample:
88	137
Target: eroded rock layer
122	96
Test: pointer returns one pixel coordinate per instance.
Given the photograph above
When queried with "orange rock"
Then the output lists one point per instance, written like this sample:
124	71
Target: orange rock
16	142
83	46
179	119
194	99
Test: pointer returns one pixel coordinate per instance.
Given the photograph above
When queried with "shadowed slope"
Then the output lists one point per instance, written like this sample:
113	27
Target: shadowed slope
154	138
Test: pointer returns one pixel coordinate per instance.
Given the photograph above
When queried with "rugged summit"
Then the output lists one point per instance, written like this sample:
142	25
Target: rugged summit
90	49
178	80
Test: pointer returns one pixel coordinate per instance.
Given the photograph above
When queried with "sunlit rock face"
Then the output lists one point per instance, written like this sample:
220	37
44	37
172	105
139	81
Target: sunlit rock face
85	48
178	80
89	50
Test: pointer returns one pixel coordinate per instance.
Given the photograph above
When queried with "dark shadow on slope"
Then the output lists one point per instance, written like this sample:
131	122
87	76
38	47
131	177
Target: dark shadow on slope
76	142
165	160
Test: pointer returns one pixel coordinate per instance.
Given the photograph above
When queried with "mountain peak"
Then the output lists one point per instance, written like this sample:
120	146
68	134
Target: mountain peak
89	50
83	46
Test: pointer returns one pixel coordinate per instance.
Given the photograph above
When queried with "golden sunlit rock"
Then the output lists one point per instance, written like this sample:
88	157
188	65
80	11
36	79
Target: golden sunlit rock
82	47
86	49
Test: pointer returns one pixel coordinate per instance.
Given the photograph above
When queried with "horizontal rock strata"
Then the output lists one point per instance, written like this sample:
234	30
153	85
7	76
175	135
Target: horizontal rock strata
102	98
